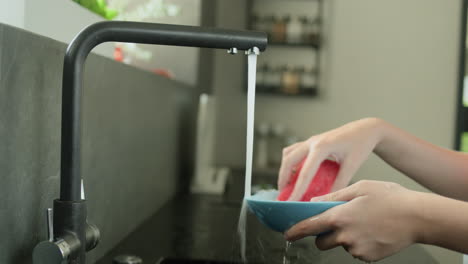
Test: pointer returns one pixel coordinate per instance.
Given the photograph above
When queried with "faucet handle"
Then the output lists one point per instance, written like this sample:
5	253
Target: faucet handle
50	225
50	252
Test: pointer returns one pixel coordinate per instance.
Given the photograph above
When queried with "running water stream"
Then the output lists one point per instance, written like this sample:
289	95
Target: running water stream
252	70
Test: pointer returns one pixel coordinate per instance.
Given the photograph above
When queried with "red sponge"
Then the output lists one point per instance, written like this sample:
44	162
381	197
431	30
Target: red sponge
320	185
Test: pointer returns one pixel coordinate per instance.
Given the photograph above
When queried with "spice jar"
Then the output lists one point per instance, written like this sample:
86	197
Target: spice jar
309	78
305	29
290	80
311	30
294	31
278	33
272	78
300	74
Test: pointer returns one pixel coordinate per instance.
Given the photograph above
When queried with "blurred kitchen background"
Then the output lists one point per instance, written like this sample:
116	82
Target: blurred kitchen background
329	62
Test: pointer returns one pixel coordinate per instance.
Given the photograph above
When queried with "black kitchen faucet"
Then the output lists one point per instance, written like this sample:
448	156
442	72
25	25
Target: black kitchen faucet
70	235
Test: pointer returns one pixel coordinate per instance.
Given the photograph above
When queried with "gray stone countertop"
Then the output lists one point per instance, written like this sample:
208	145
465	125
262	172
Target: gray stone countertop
204	227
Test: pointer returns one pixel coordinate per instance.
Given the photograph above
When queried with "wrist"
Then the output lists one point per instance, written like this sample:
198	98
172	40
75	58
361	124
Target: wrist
378	129
424	223
383	134
417	217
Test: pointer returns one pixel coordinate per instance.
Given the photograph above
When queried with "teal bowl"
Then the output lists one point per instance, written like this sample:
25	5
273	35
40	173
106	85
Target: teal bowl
280	216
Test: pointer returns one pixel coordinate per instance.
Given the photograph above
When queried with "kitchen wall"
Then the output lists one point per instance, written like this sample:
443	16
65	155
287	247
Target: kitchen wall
132	134
56	19
62	19
14	14
396	60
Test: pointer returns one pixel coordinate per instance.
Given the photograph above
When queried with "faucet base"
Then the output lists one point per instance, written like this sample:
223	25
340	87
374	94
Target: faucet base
70	225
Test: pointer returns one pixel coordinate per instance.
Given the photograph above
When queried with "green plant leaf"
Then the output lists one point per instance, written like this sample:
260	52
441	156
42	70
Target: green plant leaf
99	7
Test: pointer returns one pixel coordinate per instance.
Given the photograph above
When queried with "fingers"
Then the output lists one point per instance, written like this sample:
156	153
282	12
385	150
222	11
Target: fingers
309	227
347	170
346	194
288	149
331	240
311	165
288	163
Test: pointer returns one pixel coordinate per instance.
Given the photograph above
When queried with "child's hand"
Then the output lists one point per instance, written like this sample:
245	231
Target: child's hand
379	220
350	145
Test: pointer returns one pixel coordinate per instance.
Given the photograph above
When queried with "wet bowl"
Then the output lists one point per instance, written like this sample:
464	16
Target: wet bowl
279	215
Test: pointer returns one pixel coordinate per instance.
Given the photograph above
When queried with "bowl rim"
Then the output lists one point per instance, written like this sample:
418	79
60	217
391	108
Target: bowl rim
257	198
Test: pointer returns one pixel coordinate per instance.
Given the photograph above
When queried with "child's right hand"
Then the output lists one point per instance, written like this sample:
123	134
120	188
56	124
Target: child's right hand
350	145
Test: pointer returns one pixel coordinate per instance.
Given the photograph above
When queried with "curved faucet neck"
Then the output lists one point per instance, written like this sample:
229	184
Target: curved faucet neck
136	32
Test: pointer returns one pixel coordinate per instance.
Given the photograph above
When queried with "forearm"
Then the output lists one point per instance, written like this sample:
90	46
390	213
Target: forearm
441	170
441	221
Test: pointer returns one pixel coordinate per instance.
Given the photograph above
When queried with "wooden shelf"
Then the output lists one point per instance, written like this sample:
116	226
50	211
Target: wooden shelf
276	90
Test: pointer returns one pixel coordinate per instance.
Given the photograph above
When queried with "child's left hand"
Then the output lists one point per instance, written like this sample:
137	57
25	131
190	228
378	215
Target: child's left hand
379	219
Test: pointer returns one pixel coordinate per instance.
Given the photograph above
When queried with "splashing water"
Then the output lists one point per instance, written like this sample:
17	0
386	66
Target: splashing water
241	229
252	69
285	256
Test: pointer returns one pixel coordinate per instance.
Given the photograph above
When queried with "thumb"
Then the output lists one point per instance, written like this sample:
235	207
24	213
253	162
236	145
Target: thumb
346	194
